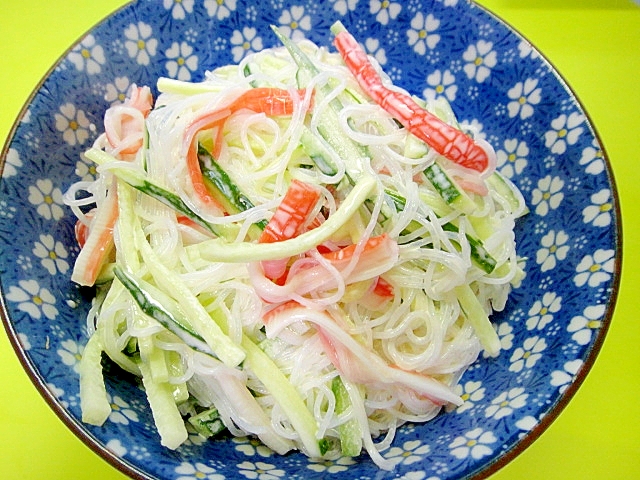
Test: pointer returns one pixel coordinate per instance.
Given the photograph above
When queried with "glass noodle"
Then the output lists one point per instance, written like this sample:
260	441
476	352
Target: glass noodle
385	287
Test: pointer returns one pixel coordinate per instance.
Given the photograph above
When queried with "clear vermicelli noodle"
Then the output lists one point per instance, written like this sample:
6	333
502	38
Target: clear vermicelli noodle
293	249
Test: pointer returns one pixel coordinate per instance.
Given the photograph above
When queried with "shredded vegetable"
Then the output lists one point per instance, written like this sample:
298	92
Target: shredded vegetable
293	248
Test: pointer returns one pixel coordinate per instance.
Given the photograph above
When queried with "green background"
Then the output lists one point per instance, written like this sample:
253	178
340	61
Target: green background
595	44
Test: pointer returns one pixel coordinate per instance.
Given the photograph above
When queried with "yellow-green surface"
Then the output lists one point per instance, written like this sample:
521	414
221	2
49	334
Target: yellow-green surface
595	44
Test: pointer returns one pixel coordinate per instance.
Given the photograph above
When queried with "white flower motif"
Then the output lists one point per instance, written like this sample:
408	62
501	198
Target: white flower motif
197	471
331	466
553	248
566	131
52	254
596	269
599	212
251	446
121	411
294	23
474	127
442	85
564	378
139	43
412	451
116	92
384	10
33	300
116	447
87	55
523	95
71	354
24	341
421	34
344	6
513	159
527	423
480	58
548	195
583	325
220	9
593	158
12	163
260	470
470	392
181	61
473	443
505	334
58	393
47	199
179	8
527	355
73	124
505	403
245	42
527	50
372	45
87	172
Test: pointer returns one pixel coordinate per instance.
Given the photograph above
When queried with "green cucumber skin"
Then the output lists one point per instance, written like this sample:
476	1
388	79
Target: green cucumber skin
213	173
441	182
156	311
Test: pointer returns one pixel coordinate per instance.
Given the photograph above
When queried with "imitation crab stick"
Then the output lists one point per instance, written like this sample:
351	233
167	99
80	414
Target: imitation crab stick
99	242
124	129
270	101
289	220
375	257
442	137
356	362
124	124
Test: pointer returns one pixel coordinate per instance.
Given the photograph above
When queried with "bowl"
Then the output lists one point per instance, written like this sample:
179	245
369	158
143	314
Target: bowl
551	330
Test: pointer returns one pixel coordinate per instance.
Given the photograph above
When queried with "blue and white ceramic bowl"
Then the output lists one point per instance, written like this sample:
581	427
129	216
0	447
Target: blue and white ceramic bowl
551	330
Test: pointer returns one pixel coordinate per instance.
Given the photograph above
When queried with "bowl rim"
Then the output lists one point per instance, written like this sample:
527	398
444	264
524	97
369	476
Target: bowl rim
552	413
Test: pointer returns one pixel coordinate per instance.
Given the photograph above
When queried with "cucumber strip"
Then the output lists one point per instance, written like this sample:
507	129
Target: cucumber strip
247	73
281	388
126	251
509	192
169	281
344	147
176	369
166	415
448	190
481	257
106	274
207	423
434	201
219	251
478	319
286	395
140	182
154	357
222	187
162	309
94	402
350	432
109	327
317	152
